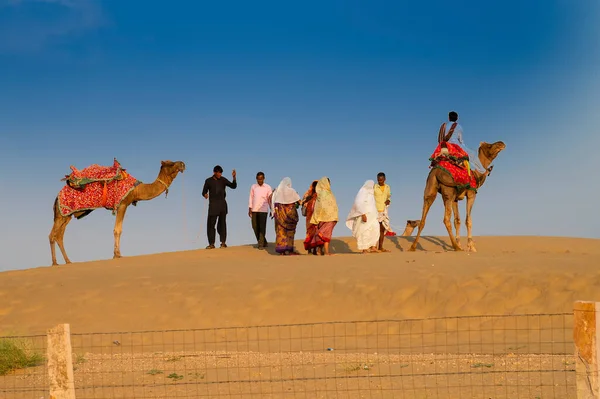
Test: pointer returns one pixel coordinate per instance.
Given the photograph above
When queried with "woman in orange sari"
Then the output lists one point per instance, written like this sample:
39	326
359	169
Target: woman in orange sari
308	207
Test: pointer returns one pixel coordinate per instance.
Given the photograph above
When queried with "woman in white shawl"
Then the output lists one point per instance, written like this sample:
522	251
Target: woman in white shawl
284	203
362	219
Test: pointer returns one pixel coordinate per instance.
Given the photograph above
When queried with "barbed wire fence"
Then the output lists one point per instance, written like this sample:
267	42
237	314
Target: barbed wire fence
512	356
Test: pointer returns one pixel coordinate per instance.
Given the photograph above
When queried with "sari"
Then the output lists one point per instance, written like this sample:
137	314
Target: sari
284	202
323	234
286	220
325	214
308	201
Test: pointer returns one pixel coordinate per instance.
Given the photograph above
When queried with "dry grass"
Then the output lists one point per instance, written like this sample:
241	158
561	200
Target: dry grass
316	375
17	353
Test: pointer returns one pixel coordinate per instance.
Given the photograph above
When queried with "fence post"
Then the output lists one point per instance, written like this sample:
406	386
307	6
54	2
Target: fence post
586	334
60	363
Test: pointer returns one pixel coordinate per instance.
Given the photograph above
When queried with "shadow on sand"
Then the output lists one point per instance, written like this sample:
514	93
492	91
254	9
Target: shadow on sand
335	247
396	243
403	243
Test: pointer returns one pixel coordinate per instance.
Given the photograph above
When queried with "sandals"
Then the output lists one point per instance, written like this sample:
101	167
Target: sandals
211	246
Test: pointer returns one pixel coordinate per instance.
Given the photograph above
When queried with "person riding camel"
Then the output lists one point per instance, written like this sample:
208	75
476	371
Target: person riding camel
450	142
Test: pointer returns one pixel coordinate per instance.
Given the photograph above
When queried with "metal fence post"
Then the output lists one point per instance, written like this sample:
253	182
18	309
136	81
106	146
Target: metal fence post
60	363
586	336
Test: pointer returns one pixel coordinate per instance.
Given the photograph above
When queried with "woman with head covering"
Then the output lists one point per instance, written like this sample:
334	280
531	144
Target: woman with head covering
362	219
285	201
308	206
325	216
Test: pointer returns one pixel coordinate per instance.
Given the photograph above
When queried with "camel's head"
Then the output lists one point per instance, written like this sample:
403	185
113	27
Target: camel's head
172	168
491	151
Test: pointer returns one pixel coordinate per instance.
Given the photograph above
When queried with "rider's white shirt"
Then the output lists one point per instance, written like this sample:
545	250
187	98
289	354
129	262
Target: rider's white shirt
457	135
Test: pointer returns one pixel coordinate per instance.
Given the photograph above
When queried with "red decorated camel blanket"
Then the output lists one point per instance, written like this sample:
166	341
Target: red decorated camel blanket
455	163
95	187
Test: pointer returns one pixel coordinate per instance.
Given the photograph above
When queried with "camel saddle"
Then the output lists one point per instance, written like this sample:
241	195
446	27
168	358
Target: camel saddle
444	158
78	179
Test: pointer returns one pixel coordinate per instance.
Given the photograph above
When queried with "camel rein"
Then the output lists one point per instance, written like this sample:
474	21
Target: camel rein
184	213
166	187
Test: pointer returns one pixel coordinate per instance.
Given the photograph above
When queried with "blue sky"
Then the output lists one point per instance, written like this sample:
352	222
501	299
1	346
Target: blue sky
343	89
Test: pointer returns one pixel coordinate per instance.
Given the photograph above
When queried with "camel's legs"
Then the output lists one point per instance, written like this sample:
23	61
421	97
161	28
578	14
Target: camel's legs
56	237
57	233
456	221
59	239
119	229
449	195
52	246
431	188
470	242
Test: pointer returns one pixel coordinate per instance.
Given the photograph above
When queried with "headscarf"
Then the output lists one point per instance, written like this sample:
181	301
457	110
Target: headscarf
364	203
310	192
284	193
326	209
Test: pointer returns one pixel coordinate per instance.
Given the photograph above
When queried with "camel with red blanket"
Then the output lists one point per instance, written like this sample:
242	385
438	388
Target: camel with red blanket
454	182
109	187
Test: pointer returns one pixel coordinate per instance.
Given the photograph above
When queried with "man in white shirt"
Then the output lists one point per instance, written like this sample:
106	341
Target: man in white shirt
450	139
258	208
450	133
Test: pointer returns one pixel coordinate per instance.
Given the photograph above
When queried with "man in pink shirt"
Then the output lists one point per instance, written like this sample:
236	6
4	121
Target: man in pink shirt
258	208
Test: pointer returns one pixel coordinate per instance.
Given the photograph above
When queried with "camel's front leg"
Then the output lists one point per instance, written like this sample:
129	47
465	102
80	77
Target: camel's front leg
470	242
52	239
56	237
119	229
449	198
60	240
456	221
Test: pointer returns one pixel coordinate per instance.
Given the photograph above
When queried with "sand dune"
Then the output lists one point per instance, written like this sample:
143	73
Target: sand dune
242	286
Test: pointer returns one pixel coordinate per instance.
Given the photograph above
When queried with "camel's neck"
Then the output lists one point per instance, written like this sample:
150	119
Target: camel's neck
152	190
485	162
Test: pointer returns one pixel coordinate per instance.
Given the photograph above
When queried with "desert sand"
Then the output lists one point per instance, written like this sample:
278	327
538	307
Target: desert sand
241	286
196	291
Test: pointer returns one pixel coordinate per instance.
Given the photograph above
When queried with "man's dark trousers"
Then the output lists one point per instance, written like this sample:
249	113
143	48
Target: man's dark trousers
221	220
259	225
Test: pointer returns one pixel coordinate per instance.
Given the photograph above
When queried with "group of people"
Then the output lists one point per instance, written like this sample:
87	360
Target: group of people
368	219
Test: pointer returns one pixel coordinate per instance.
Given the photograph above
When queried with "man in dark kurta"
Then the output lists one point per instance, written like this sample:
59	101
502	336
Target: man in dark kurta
214	190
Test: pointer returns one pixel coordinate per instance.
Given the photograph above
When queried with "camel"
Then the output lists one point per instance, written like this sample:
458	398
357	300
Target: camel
441	182
410	226
142	192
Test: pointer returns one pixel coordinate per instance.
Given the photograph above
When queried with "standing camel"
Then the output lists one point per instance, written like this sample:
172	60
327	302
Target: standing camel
142	192
438	181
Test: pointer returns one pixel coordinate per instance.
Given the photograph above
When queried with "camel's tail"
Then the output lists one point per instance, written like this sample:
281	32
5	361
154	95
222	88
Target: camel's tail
55	208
